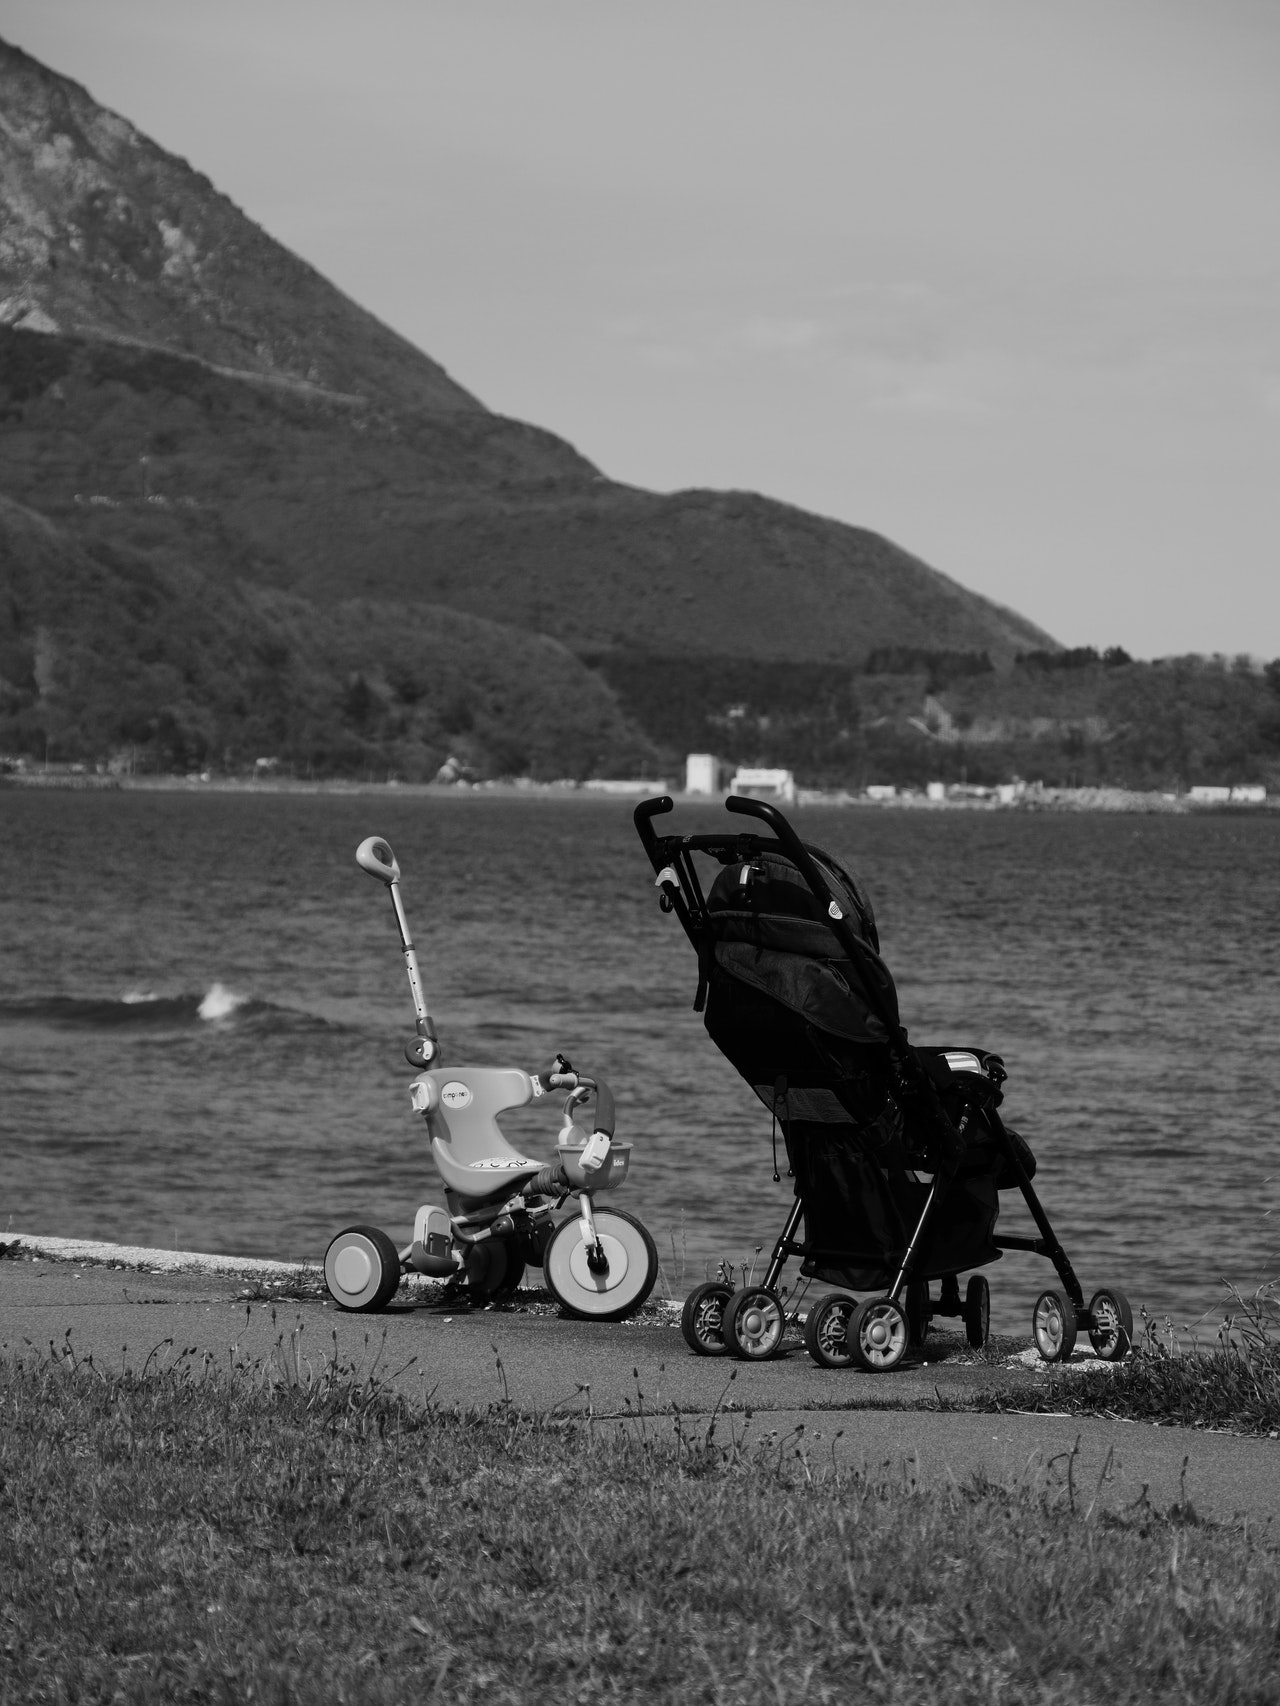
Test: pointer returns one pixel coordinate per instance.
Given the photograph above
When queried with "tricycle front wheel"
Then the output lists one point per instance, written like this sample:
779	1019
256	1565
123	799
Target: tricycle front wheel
619	1285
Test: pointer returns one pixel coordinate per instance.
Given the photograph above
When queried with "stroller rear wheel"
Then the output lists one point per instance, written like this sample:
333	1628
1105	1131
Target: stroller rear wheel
1111	1333
977	1311
627	1278
1053	1325
754	1322
702	1319
918	1312
878	1334
826	1330
362	1269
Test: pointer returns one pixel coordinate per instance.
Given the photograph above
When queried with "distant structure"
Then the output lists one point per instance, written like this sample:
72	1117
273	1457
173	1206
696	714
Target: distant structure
765	784
701	773
1243	794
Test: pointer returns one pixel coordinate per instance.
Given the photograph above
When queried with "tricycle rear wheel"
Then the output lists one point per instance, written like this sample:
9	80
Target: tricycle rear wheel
362	1269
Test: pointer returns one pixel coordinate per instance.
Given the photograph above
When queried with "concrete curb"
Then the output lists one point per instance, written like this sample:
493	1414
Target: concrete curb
156	1261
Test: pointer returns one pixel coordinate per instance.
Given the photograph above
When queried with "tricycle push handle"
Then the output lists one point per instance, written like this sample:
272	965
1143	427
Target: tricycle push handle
375	856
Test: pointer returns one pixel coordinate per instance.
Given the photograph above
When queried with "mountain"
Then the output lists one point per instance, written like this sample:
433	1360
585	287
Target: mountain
105	234
178	391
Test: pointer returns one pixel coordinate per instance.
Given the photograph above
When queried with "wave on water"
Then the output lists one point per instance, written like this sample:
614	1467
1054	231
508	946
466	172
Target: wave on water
141	1009
219	1002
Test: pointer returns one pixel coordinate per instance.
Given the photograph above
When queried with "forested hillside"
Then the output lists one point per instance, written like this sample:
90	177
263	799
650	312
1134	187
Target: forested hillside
1070	719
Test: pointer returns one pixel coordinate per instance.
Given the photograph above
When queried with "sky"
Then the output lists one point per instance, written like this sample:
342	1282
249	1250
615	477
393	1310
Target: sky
999	279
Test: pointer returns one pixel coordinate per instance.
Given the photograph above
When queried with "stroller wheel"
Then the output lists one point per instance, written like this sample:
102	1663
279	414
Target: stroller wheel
826	1330
494	1269
1053	1325
631	1267
754	1322
362	1269
702	1319
878	1335
977	1311
1111	1333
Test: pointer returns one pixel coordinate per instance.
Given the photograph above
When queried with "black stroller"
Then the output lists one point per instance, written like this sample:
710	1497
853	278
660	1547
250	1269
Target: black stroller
899	1153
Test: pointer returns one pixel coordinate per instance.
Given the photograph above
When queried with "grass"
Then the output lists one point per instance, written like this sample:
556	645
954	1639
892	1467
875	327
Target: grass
283	1533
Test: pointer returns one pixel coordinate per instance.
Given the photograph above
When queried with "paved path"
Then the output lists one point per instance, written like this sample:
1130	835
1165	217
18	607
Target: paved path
617	1370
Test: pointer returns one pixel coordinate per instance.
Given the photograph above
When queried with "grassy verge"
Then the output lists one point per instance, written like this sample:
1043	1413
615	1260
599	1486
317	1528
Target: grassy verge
197	1534
1233	1384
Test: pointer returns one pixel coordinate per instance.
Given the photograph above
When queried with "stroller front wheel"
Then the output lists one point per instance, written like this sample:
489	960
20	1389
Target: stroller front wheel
1111	1329
621	1286
1053	1325
878	1335
754	1322
702	1319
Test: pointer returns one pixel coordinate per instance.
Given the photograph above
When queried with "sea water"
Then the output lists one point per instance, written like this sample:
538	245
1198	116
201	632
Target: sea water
203	1004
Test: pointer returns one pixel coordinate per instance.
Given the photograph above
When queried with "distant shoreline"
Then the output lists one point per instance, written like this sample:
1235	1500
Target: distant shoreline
1052	800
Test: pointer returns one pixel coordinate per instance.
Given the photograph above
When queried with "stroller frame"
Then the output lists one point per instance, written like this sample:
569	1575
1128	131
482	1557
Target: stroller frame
1107	1318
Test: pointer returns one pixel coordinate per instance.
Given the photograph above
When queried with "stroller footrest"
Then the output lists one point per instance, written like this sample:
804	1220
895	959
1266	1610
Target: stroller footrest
1037	1246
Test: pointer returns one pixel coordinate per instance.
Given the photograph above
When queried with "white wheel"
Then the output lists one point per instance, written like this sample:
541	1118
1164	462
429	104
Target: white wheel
622	1284
754	1323
362	1269
1053	1325
878	1335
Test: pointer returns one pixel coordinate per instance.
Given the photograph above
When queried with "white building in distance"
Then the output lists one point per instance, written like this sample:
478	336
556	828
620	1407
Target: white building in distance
765	784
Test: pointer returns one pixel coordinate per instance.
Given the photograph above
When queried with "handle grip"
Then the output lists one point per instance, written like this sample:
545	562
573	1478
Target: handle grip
646	810
375	856
580	1087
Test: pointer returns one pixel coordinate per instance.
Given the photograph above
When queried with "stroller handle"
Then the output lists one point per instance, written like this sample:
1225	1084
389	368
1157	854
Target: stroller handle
796	848
800	856
646	810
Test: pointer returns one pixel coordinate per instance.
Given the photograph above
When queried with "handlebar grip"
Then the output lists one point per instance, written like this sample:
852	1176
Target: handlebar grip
606	1115
606	1112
